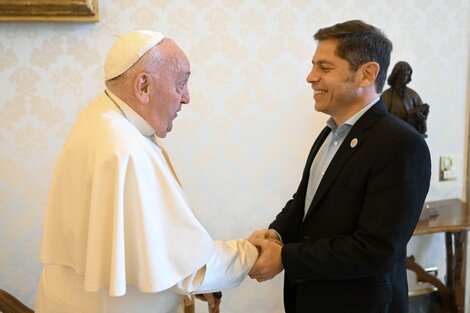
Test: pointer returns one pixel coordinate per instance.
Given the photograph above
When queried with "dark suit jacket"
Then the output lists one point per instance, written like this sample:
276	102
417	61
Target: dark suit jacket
348	255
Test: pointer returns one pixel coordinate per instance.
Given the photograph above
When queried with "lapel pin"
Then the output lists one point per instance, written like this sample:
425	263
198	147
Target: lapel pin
353	143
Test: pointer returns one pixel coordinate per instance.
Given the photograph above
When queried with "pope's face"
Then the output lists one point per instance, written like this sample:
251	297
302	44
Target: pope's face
170	91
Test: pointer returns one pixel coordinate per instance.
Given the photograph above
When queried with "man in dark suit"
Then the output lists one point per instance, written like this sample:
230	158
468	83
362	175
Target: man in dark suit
342	237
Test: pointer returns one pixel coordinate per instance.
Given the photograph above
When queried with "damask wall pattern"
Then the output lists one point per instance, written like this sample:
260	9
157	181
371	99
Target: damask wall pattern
239	147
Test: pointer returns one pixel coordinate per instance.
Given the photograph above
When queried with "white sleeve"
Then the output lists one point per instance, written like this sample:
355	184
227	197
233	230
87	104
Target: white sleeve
228	266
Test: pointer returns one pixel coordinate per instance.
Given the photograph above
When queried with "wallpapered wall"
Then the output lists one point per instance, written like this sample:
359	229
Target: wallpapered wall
240	145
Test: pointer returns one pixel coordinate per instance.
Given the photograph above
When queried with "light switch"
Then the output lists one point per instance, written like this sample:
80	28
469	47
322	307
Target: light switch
447	168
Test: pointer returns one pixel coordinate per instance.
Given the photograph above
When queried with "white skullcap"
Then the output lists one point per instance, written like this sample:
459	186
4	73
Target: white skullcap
128	49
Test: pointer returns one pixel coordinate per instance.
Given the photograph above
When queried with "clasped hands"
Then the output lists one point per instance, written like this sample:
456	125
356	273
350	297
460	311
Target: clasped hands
269	262
267	266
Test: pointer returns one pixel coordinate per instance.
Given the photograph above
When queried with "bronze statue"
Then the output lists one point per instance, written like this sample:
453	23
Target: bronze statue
403	101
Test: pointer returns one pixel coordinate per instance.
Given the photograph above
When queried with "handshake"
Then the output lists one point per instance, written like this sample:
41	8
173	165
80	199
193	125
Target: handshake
269	262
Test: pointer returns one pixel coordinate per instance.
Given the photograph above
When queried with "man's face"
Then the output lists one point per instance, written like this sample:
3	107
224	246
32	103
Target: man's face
335	86
169	92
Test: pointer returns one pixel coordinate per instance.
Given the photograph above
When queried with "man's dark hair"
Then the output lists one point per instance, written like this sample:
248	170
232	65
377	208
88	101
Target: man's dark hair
359	43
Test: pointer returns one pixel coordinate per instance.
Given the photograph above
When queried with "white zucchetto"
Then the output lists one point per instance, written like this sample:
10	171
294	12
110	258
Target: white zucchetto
128	49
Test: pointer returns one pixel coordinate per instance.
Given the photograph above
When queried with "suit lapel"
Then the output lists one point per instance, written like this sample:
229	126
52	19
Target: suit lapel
313	152
352	143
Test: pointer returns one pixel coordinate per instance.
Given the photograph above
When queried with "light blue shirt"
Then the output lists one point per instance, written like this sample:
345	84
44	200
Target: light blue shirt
328	150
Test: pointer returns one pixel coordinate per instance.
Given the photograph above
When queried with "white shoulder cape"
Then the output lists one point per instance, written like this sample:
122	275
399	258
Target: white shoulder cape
115	213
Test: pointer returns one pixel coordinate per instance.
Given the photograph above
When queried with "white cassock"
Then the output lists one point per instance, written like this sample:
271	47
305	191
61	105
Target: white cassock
118	233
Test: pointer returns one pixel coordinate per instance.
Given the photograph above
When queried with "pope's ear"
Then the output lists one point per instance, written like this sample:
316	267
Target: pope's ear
370	71
142	87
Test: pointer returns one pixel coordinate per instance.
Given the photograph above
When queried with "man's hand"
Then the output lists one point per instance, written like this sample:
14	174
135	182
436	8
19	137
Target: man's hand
269	262
212	302
268	234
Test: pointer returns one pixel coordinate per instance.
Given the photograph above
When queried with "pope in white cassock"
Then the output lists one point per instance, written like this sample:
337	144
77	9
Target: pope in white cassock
118	233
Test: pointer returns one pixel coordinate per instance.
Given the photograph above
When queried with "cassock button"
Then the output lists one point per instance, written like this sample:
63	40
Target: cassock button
353	142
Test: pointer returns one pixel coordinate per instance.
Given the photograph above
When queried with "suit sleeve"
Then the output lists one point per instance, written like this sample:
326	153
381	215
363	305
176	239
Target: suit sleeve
392	201
283	223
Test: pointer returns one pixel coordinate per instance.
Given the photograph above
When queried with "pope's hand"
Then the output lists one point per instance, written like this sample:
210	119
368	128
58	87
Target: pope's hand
212	302
268	234
269	262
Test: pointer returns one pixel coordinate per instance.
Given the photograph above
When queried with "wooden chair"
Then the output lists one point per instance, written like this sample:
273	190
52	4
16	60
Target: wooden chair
422	276
9	304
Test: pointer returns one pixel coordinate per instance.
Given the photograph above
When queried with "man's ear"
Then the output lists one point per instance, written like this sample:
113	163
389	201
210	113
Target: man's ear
369	72
142	87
